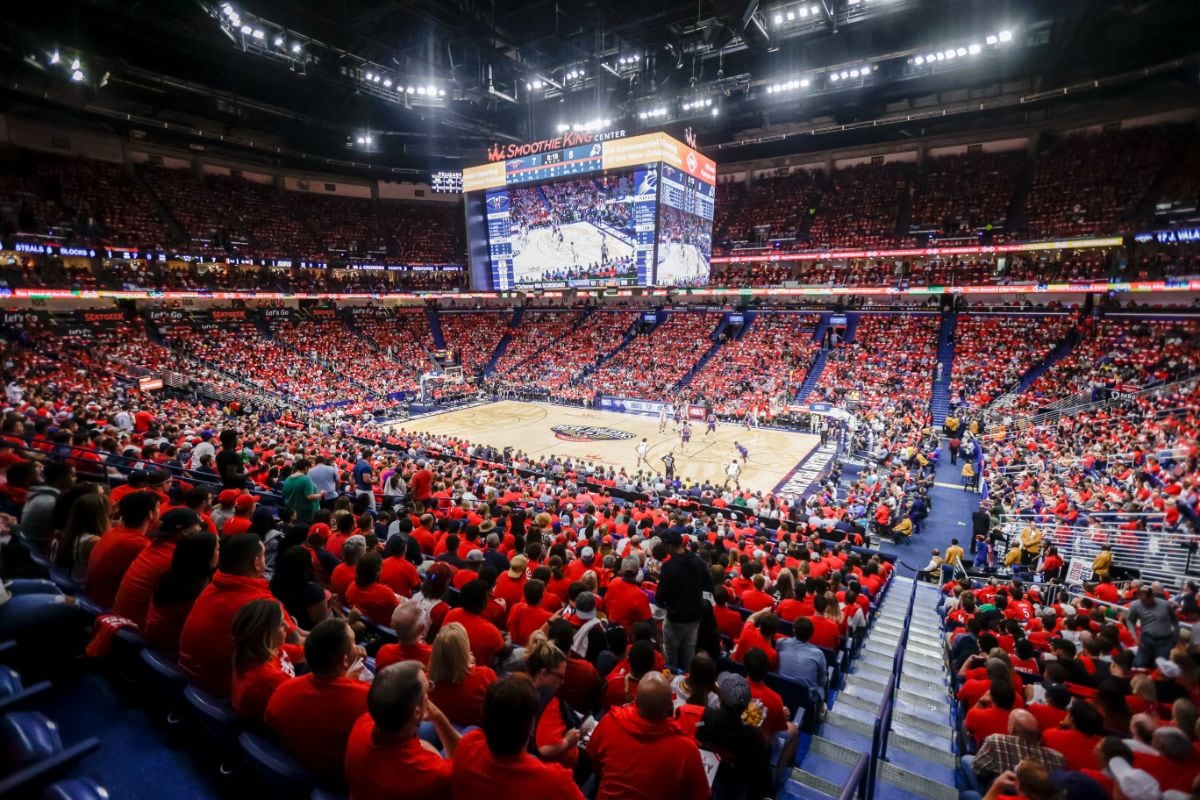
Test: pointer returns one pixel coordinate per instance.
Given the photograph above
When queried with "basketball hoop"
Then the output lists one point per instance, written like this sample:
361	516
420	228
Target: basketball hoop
446	376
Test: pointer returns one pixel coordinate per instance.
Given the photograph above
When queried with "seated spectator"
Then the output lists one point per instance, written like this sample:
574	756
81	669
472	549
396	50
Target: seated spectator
205	647
143	575
375	600
733	734
406	622
529	615
192	564
260	665
486	640
1084	730
87	521
1001	752
120	545
397	572
624	601
621	684
343	574
804	662
295	586
556	732
777	720
758	631
620	742
494	760
459	684
36	529
312	716
385	759
990	714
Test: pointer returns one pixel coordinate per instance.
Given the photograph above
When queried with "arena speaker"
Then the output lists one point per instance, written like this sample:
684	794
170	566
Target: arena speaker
738	18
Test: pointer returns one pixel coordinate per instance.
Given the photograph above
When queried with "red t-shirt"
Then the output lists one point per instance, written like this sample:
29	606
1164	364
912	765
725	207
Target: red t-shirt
509	589
462	702
235	525
399	574
826	633
341	577
421	484
110	558
777	715
750	638
627	605
137	587
729	622
206	645
523	620
983	722
754	600
1047	716
1077	749
164	624
253	688
395	653
485	637
376	602
581	689
550	731
311	718
382	766
619	748
478	773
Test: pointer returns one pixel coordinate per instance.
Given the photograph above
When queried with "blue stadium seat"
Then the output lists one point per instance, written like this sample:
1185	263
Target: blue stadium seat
32	753
166	682
13	694
76	789
283	777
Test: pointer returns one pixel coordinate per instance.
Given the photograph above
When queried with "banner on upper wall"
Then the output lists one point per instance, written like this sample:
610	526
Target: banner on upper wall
628	405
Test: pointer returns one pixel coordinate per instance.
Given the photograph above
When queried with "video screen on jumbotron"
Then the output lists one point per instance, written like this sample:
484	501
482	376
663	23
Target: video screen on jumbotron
629	212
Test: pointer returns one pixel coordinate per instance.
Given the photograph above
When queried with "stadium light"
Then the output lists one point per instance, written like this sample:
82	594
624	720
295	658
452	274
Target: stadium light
296	48
387	83
55	57
974	48
77	76
992	39
1005	36
777	19
75	64
716	112
259	34
247	30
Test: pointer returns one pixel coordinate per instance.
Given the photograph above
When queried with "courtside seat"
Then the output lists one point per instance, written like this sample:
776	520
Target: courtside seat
32	753
76	789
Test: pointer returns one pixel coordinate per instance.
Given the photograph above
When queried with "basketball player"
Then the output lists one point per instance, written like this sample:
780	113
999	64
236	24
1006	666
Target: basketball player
732	472
742	451
662	418
753	417
642	449
685	434
712	424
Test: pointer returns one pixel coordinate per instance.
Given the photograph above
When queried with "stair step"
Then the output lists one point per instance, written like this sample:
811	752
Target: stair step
866	716
825	787
870	704
909	695
899	747
837	719
913	784
920	730
918	660
919	685
870	683
873	672
847	737
792	790
929	710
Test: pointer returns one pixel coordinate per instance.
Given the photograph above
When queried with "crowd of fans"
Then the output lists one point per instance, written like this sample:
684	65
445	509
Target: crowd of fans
775	207
993	352
473	337
860	207
889	356
760	370
653	363
963	194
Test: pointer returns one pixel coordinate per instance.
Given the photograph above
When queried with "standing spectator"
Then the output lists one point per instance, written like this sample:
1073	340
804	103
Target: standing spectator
324	477
1159	627
312	716
620	742
494	760
364	479
681	585
421	485
300	493
229	462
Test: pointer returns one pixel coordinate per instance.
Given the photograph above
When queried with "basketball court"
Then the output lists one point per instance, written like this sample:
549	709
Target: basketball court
611	438
540	251
680	265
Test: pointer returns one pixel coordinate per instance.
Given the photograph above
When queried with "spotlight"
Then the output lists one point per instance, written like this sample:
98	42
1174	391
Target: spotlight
803	12
770	90
991	39
387	83
833	76
370	76
929	59
368	139
421	90
77	76
804	83
962	51
441	92
716	112
777	19
1005	36
919	60
951	54
247	30
409	90
853	73
279	41
845	75
607	122
259	34
815	10
55	57
360	140
75	64
791	15
941	56
296	47
974	49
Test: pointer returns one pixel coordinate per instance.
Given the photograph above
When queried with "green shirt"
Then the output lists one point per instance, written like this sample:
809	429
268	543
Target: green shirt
296	490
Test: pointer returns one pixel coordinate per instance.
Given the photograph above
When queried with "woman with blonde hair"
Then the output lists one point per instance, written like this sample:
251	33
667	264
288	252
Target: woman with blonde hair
556	732
260	665
1143	697
457	684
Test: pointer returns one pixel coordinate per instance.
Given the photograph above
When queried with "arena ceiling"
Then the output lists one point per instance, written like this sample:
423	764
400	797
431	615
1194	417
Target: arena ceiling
425	83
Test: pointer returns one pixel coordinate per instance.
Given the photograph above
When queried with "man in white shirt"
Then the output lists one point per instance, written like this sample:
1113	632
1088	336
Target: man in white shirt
201	450
124	420
642	449
732	472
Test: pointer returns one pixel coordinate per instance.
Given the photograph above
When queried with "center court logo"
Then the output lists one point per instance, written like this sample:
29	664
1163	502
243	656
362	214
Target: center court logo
589	433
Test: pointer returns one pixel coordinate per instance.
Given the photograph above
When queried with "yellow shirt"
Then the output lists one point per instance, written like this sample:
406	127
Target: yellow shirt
954	555
1102	563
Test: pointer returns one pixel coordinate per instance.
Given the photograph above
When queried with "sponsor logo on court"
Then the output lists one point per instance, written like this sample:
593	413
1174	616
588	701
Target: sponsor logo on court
589	433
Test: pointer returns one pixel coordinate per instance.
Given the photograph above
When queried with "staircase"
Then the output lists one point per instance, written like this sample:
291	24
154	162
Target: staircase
1015	218
1060	351
749	317
939	404
435	327
916	757
893	713
502	345
813	376
545	201
177	231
